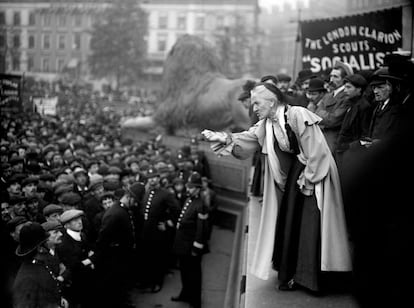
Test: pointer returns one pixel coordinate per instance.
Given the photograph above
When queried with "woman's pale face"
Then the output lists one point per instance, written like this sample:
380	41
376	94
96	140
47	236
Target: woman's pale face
262	107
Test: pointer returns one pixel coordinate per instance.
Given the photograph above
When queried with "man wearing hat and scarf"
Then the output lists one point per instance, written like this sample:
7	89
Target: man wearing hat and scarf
116	249
190	238
75	253
157	213
36	284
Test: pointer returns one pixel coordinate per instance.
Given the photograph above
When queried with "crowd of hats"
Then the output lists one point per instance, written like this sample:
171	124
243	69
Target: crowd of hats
50	155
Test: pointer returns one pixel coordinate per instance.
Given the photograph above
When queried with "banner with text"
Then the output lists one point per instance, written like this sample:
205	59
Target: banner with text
360	40
45	105
10	96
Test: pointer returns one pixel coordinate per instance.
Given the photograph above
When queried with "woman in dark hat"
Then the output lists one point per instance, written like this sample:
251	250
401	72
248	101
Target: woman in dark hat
36	285
301	193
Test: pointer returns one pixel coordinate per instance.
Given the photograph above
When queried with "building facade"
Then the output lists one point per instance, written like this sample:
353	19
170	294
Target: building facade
42	38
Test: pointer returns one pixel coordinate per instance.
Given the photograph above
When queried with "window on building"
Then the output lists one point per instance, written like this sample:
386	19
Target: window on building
220	22
16	41
30	63
163	21
2	18
60	63
162	42
62	20
77	20
199	23
16	18
16	64
90	21
45	65
182	22
47	20
61	41
32	18
31	41
76	41
46	41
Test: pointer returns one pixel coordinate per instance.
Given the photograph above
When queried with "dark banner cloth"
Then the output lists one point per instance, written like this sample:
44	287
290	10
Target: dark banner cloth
10	93
360	40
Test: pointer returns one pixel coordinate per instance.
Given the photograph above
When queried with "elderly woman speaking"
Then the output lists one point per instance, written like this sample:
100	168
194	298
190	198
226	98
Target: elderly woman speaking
302	230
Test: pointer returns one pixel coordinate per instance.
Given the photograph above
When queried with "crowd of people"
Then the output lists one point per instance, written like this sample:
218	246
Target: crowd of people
87	215
327	168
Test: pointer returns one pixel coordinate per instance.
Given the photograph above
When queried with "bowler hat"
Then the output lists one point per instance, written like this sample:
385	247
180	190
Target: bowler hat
316	84
69	215
31	236
382	75
304	75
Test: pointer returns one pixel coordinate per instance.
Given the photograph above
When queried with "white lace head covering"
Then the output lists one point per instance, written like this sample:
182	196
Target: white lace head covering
262	92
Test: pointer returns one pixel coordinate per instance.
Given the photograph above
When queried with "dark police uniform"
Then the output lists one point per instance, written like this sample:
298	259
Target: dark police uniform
190	238
157	213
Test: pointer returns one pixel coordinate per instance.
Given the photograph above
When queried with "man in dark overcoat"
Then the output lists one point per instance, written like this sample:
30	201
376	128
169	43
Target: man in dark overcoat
190	239
75	253
157	213
116	248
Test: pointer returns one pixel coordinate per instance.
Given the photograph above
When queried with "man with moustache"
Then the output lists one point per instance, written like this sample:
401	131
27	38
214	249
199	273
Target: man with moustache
334	105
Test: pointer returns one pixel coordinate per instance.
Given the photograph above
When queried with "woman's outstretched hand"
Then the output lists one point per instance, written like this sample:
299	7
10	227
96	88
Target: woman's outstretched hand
211	136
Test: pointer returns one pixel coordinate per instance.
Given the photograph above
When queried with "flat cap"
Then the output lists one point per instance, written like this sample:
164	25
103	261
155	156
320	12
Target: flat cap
52	225
114	170
52	208
283	77
69	215
29	180
63	188
78	170
94	183
47	177
357	80
70	198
